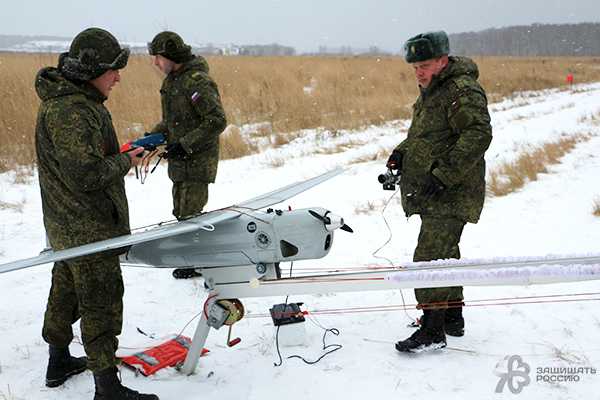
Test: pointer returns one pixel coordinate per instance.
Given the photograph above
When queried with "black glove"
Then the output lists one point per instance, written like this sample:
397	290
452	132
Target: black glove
433	186
395	160
175	151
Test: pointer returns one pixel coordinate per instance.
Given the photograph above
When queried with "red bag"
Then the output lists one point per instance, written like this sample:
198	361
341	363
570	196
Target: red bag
167	354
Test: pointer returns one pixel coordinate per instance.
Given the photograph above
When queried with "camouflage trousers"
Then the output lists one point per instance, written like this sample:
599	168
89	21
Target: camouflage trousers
438	239
189	198
91	289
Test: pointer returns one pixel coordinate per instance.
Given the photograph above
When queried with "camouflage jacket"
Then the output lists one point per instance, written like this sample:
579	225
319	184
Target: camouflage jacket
193	116
448	136
80	169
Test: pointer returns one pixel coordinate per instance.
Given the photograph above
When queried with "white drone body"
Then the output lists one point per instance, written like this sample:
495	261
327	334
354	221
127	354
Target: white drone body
247	247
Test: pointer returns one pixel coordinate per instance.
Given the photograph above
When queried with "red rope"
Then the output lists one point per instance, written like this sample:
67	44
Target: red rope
312	280
206	304
481	303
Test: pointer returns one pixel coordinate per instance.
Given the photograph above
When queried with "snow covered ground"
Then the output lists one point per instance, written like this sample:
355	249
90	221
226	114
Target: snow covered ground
550	216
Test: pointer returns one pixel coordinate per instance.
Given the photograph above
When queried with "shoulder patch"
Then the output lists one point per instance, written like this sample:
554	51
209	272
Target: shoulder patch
463	82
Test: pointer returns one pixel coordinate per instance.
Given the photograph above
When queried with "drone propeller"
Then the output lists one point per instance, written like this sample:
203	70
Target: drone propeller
322	218
337	223
346	228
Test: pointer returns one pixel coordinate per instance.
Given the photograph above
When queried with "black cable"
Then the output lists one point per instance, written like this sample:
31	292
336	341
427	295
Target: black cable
278	364
389	239
333	347
160	157
278	326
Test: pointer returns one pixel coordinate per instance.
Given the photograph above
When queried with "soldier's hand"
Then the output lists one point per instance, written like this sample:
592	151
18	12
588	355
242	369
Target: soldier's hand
175	151
135	156
433	186
395	160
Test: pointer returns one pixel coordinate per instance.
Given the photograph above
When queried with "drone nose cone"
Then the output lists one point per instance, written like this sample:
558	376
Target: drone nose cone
335	222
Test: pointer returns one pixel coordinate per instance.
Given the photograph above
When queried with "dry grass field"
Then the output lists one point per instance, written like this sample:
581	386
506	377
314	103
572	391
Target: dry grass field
290	93
596	207
510	177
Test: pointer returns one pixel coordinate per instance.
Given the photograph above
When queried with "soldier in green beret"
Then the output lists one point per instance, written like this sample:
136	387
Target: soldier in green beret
443	173
81	176
192	120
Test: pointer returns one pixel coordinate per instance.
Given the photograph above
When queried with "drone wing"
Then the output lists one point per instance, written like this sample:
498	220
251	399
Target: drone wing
202	222
289	191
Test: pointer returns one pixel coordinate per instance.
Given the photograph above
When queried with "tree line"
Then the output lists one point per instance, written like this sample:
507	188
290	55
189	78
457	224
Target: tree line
581	39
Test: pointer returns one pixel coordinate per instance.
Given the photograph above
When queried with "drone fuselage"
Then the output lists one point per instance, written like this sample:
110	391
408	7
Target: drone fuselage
255	238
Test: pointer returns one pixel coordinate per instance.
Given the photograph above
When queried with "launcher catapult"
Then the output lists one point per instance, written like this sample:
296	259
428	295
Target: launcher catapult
238	249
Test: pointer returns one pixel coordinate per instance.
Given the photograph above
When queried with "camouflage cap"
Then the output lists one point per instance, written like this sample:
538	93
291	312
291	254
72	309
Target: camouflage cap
426	46
170	45
93	52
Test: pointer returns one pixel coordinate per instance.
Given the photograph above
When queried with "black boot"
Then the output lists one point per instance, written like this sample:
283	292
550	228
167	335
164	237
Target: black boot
454	323
108	387
429	336
185	273
61	366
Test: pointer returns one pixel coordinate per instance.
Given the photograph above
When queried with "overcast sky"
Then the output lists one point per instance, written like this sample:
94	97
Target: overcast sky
304	24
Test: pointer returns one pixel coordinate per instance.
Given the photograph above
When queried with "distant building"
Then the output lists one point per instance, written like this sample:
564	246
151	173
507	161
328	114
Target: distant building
48	44
350	51
273	49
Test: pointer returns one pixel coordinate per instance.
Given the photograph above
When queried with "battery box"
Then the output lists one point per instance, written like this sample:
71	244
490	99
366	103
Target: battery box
285	314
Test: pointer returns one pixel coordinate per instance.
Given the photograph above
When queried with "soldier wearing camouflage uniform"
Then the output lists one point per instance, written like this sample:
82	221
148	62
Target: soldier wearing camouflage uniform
192	119
443	173
83	199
